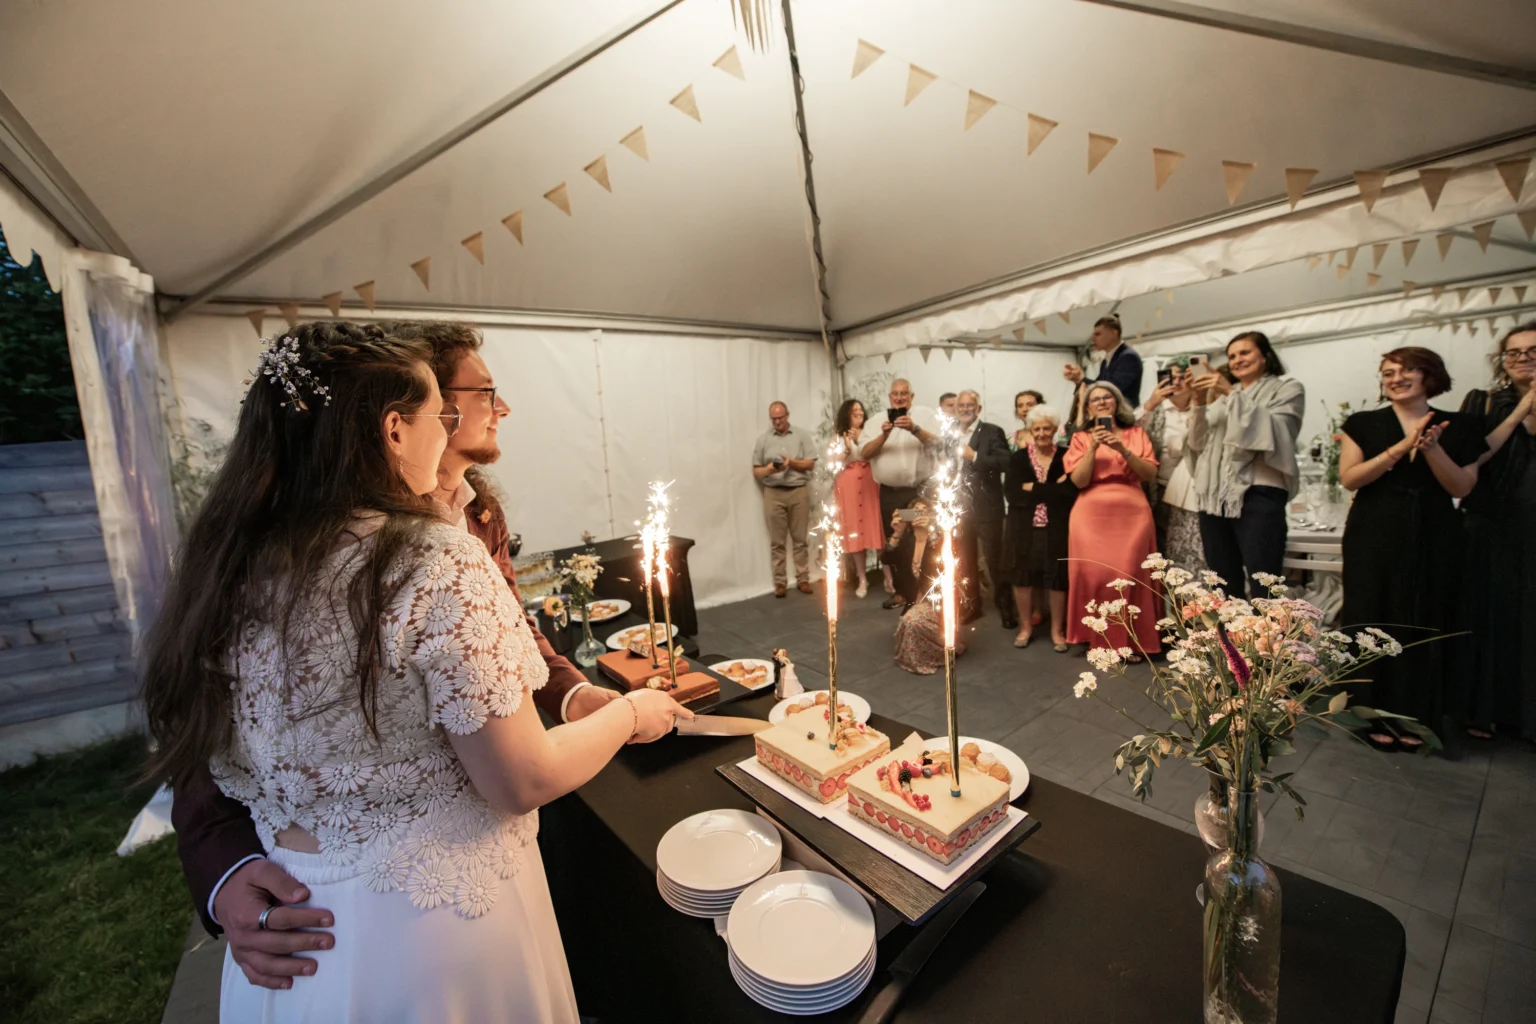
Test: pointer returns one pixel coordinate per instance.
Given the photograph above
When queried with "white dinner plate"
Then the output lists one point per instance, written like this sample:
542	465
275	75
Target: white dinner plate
801	928
685	906
638	632
1012	761
803	991
720	667
718	850
602	603
859	705
720	904
804	1006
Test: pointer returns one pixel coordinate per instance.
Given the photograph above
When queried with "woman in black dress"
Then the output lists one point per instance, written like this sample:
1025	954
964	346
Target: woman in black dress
1500	592
1040	496
1402	542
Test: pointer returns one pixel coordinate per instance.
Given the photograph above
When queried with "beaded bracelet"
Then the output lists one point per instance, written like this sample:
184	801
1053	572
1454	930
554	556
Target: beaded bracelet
634	729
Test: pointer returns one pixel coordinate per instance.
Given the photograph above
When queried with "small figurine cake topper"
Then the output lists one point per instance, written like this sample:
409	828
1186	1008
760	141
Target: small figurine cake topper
785	682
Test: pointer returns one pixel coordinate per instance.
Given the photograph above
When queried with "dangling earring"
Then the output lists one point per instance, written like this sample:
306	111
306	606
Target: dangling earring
400	464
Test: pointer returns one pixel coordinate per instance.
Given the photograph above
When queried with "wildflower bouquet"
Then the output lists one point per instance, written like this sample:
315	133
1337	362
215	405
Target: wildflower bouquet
579	573
1240	677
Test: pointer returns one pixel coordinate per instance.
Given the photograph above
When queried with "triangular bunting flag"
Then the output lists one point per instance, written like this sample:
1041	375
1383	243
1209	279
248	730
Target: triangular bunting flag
685	102
1040	326
1471	329
1513	172
513	222
1066	317
635	143
863	56
1483	233
917	81
1313	261
1164	161
976	107
1342	270
1372	280
1018	334
423	268
257	317
1519	291
1443	242
1296	181
1158	313
1528	222
730	63
333	303
1370	183
923	351
1236	174
996	341
1493	296
949	353
1098	148
1408	287
1039	128
1331	257
475	243
1432	180
1378	251
1410	246
1349	255
1436	290
290	311
560	197
365	292
1169	296
1456	327
888	359
970	346
1492	323
597	170
1461	296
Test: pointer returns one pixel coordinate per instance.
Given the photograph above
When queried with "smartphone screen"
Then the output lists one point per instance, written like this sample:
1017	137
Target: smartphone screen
1165	377
1104	422
895	414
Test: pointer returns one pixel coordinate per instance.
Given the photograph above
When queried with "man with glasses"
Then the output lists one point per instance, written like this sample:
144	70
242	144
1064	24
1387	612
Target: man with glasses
899	448
984	458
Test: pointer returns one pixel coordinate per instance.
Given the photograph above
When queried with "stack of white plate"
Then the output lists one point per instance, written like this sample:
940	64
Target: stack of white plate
802	942
705	861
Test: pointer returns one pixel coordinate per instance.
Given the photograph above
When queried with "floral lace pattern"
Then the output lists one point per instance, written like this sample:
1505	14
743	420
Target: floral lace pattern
455	650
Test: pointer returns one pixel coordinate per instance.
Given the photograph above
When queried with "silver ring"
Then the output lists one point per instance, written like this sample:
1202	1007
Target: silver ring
261	922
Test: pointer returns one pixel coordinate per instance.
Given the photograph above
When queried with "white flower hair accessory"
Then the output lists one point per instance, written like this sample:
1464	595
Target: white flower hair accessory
279	362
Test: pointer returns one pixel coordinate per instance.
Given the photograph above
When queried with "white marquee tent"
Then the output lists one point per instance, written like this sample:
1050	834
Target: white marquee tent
615	190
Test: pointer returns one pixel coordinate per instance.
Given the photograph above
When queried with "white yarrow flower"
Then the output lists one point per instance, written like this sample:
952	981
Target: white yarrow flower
1120	585
1103	658
1086	683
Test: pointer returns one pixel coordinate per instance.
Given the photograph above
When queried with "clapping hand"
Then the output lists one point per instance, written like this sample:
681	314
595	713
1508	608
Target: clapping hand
1410	442
1429	439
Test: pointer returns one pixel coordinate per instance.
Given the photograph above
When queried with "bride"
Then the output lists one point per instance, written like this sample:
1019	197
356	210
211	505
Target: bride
354	669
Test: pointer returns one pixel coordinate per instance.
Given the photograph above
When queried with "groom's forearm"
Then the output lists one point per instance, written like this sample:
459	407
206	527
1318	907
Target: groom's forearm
213	834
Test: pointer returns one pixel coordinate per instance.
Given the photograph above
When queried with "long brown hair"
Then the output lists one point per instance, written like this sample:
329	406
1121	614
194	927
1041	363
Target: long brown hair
292	484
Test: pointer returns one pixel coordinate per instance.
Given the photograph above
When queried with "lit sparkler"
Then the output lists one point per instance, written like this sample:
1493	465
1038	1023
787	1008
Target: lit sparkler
947	516
661	544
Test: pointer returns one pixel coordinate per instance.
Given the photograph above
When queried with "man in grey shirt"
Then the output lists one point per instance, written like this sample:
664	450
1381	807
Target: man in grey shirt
782	461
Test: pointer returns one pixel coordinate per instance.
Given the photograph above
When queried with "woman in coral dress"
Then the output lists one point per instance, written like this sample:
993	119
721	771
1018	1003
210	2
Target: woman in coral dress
1111	531
858	496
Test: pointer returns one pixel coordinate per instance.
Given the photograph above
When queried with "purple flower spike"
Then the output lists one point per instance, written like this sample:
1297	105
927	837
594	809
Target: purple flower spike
1235	661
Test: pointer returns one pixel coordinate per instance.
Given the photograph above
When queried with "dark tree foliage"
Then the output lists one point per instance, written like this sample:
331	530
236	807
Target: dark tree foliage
37	387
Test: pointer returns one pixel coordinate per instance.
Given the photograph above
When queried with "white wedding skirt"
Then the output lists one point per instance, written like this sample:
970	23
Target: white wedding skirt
395	963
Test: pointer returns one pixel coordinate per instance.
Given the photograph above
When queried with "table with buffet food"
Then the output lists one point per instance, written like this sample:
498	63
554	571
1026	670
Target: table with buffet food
1088	911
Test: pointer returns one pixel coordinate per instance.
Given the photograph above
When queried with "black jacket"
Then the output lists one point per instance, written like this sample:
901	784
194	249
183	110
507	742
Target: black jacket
982	481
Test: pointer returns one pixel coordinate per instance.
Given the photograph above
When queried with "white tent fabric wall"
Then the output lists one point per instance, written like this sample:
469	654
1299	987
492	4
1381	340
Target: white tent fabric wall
595	417
998	374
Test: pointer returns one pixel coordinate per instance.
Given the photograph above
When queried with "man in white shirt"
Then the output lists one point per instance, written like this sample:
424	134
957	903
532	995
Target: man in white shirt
900	448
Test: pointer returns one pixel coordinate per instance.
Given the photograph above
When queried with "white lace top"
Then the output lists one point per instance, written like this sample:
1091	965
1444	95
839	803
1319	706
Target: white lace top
456	650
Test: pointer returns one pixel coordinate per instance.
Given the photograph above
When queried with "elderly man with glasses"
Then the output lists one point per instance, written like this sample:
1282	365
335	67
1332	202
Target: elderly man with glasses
984	458
900	448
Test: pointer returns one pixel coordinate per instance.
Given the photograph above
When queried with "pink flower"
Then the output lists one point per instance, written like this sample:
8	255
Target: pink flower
1235	661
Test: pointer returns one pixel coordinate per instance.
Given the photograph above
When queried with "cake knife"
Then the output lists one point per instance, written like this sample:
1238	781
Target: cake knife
720	725
905	967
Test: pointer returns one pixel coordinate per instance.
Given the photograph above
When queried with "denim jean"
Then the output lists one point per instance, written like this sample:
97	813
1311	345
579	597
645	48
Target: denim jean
1235	549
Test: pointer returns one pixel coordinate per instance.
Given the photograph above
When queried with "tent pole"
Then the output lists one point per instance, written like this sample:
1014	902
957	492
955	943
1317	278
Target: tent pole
823	297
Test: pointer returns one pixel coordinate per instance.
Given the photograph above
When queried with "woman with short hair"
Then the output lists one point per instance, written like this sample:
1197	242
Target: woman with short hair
1023	402
1040	496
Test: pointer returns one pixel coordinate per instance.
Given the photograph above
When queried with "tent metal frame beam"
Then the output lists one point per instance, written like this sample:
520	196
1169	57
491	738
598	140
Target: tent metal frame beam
366	191
1337	42
28	161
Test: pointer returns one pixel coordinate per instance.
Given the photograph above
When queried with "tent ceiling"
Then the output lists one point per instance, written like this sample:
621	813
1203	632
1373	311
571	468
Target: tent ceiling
204	131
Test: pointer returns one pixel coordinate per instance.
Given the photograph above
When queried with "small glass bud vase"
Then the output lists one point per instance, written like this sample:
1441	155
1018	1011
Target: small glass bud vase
1213	814
587	653
1242	926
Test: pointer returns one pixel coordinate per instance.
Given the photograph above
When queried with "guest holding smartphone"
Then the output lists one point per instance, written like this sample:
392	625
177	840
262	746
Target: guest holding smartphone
782	462
1166	417
901	448
1110	533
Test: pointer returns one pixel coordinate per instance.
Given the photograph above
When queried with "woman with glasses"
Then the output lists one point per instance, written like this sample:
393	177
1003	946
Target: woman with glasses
1500	592
1110	533
1402	542
1040	497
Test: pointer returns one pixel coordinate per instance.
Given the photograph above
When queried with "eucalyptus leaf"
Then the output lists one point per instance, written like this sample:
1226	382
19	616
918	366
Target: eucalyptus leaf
1215	734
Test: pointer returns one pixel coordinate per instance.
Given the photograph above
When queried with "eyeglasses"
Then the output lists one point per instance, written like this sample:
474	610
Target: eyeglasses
1519	355
450	417
488	391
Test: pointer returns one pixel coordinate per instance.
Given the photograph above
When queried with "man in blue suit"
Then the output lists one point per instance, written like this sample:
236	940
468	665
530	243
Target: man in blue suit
1122	367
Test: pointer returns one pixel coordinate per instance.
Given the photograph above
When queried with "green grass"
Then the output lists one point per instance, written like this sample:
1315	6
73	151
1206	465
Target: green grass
85	935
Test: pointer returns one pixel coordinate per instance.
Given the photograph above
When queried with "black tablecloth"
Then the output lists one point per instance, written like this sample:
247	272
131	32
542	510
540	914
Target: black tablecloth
623	578
1092	919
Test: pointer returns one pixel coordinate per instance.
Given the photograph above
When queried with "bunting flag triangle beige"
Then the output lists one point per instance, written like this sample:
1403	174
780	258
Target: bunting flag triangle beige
365	292
1372	280
924	350
1378	251
1313	261
1471	329
1410	246
1169	296
1158	313
1483	233
257	317
996	341
635	143
1331	257
1436	290
1349	255
513	222
1461	296
1443	242
1164	162
685	102
949	353
1040	326
1039	128
1296	181
1528	222
1018	334
1519	291
1343	270
1066	317
1513	172
1492	323
1455	326
423	268
730	63
887	358
976	107
1493	296
970	346
333	303
597	170
1432	180
1370	184
290	311
917	81
1408	287
1236	174
560	197
475	243
1098	148
863	56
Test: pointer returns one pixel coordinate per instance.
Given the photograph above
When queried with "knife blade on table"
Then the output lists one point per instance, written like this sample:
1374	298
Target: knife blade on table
719	725
905	967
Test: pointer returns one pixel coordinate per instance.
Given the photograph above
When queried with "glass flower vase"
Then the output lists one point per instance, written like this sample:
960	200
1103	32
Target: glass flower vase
587	652
1213	815
1242	925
